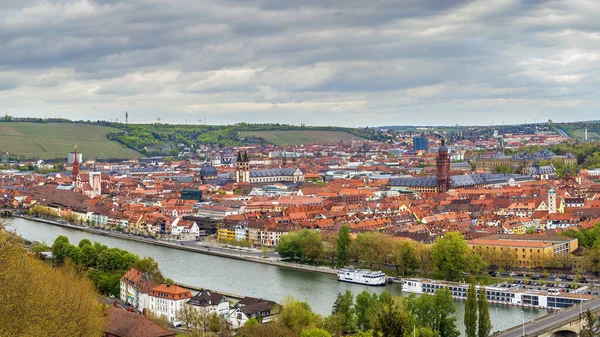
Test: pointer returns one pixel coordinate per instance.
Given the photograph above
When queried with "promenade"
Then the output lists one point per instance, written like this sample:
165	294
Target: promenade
193	246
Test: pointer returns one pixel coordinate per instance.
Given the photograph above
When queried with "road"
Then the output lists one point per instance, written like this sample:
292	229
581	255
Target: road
562	133
551	321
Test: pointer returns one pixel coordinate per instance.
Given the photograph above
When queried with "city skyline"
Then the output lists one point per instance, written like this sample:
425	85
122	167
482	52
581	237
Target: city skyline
347	63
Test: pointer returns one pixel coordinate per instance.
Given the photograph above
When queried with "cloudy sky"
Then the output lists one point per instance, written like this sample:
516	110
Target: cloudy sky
319	62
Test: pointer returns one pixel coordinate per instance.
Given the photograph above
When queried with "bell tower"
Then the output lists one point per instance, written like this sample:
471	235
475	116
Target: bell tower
75	177
443	169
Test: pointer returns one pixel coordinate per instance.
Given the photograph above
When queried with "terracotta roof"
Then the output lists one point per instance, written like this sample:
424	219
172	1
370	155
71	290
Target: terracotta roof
123	323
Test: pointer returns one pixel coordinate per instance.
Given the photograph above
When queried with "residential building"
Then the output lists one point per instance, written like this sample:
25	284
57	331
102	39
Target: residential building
250	307
167	300
207	302
135	287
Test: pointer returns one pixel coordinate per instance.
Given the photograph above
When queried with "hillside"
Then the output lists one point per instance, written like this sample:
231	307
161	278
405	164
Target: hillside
56	140
297	137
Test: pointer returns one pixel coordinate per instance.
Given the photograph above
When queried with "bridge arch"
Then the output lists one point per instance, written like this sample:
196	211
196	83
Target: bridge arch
564	333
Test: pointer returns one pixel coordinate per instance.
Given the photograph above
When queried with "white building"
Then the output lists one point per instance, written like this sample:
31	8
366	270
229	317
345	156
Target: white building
207	302
167	300
135	287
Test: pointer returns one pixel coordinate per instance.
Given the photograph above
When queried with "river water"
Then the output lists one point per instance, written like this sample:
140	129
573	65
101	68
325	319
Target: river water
251	279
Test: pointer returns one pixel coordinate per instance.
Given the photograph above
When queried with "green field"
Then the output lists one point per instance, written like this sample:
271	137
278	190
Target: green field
580	133
56	140
297	137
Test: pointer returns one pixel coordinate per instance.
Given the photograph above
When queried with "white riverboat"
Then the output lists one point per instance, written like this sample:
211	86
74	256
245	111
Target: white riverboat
362	276
509	295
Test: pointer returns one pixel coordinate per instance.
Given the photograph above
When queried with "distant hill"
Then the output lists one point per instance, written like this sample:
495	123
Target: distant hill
56	140
297	137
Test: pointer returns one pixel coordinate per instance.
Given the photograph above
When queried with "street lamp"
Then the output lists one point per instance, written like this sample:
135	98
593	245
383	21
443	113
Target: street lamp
523	322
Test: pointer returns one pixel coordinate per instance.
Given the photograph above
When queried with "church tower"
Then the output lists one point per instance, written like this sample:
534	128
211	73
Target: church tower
242	169
294	158
284	159
443	169
551	201
75	177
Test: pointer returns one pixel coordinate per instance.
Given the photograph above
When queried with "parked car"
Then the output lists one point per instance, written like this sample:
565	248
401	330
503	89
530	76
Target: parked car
111	296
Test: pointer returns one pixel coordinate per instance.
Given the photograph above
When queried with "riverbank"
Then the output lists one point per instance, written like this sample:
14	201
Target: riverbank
236	255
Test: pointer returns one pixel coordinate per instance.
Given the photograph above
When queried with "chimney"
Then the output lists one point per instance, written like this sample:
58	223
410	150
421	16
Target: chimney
145	312
115	304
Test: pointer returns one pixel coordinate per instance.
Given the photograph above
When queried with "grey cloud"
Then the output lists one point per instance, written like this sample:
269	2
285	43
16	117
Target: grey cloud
316	62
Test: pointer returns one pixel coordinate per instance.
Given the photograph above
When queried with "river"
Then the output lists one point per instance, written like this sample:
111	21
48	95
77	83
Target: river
251	279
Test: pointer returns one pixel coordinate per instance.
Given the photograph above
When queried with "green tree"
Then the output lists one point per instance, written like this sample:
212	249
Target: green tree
344	308
297	315
450	255
88	256
333	325
289	246
470	318
252	322
214	323
59	248
485	323
364	303
311	244
315	332
435	312
343	241
404	256
391	318
84	242
149	266
445	322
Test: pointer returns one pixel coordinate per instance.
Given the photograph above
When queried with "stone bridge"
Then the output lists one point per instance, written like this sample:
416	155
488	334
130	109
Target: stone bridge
563	323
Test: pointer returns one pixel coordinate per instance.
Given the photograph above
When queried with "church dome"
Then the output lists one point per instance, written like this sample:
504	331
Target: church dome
208	171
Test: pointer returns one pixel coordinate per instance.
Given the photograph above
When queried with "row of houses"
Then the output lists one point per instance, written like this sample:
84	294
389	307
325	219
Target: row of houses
168	300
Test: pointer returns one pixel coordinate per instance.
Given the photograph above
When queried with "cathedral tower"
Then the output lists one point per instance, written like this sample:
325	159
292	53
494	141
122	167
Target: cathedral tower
443	169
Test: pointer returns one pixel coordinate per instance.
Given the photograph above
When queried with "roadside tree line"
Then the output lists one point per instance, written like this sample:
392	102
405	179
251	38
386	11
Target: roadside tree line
448	257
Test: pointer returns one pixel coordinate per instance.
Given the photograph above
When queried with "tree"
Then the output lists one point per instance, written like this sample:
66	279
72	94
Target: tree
88	256
404	256
333	325
316	332
344	308
311	244
149	266
424	258
188	316
343	241
329	248
84	242
591	325
252	322
485	323
435	312
364	303
445	322
391	318
214	323
59	248
373	248
54	301
470	318
297	315
289	246
449	255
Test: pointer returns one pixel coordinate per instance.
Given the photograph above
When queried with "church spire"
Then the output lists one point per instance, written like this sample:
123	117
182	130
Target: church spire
75	172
